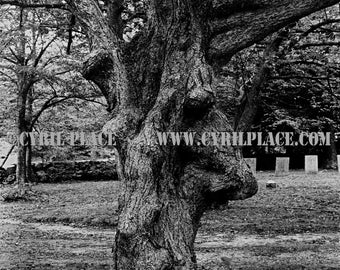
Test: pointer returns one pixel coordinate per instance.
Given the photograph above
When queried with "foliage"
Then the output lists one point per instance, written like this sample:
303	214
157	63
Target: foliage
53	48
302	92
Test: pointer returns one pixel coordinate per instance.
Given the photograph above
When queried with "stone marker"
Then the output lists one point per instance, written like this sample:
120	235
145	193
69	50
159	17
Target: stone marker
282	166
252	164
339	163
311	164
271	184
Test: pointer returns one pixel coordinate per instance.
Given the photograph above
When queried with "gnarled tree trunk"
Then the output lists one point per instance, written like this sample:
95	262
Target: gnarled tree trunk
162	81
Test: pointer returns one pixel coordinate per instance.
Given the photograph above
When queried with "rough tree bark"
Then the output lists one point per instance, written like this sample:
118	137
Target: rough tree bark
21	127
23	86
25	82
162	81
29	116
26	78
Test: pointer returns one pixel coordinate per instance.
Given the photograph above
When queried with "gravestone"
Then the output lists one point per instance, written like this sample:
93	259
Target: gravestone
252	164
339	163
311	164
282	166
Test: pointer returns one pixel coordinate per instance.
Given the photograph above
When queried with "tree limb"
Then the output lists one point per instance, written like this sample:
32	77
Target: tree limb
103	66
33	4
319	25
43	50
235	30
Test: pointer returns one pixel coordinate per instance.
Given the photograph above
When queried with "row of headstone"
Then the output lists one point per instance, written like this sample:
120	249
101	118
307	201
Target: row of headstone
282	165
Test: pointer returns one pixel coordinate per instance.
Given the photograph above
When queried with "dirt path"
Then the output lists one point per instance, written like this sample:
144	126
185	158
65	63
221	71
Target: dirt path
42	246
45	246
300	251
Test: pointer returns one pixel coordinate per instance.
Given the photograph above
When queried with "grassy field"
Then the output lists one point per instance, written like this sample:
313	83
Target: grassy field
295	226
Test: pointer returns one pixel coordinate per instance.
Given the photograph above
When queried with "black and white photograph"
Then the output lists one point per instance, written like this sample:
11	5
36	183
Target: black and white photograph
169	134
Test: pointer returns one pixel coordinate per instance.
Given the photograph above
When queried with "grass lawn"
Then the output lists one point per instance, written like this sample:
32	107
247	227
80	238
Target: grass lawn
295	226
80	203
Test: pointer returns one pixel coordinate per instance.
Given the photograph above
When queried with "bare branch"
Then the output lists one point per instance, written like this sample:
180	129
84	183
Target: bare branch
43	50
50	103
44	107
15	56
319	25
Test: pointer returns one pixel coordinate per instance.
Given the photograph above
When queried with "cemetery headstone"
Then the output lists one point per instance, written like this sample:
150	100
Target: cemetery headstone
282	166
311	164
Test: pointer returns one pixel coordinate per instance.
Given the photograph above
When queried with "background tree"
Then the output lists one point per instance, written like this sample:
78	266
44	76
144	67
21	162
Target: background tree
308	72
40	67
293	88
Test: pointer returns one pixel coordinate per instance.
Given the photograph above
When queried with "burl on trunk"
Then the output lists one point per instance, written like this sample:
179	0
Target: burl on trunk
163	81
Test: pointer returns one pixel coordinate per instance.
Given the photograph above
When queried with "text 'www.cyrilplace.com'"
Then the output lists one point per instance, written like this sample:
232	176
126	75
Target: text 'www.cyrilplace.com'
244	139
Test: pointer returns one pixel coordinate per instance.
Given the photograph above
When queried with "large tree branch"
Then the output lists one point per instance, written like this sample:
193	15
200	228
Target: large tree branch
234	29
94	23
34	4
103	66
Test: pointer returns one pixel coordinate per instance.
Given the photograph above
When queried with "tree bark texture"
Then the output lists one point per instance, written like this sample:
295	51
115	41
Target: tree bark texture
163	81
29	115
21	127
25	82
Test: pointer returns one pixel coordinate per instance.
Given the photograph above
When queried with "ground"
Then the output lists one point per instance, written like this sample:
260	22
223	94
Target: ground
71	226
